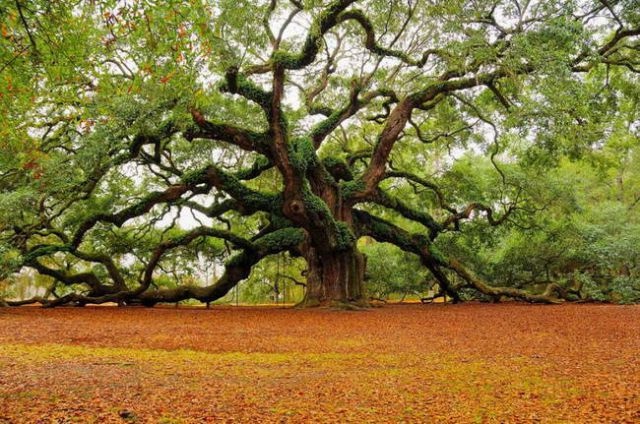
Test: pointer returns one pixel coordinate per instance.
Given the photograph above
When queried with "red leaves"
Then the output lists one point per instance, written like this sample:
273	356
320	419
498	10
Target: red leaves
34	166
166	78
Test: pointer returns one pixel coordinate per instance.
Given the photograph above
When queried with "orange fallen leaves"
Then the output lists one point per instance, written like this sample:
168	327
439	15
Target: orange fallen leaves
464	363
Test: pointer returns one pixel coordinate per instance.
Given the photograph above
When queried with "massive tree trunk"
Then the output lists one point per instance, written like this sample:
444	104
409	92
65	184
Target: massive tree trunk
335	279
335	267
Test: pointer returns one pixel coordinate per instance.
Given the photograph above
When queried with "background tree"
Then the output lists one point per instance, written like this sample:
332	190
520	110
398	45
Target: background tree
583	236
394	272
289	126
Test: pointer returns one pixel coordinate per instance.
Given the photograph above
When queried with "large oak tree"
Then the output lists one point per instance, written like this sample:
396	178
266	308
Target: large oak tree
285	126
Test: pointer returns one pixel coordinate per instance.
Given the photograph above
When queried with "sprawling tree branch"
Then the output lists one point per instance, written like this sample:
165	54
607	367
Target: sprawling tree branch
434	260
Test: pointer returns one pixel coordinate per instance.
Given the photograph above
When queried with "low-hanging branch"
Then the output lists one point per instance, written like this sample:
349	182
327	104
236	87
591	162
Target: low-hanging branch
435	261
237	268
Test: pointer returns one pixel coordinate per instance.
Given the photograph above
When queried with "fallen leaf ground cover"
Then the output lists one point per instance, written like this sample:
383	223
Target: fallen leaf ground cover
406	363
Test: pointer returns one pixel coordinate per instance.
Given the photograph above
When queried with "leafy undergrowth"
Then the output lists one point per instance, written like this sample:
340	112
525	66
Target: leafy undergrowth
438	363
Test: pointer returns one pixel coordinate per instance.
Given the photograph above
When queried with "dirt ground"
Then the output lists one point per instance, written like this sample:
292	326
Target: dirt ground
512	363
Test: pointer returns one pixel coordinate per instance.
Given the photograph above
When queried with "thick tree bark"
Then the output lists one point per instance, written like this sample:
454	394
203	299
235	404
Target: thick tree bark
335	279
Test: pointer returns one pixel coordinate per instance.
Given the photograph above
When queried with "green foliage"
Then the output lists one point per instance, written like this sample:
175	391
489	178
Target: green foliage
393	271
273	280
10	260
584	234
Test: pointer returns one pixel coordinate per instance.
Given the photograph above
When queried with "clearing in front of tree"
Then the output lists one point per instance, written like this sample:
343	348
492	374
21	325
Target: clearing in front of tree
437	363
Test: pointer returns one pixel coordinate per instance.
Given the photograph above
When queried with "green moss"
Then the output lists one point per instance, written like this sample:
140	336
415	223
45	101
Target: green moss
280	240
345	238
257	201
240	84
260	164
327	125
236	260
327	18
250	198
192	178
285	58
313	42
314	204
302	154
277	220
337	169
410	213
383	232
143	205
262	161
333	161
421	240
350	188
45	251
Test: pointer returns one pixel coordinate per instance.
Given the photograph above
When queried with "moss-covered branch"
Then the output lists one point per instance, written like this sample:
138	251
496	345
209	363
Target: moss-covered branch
211	176
108	263
171	194
552	294
336	117
245	139
183	240
327	19
87	278
236	269
237	83
384	199
456	217
424	183
435	261
384	231
260	165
